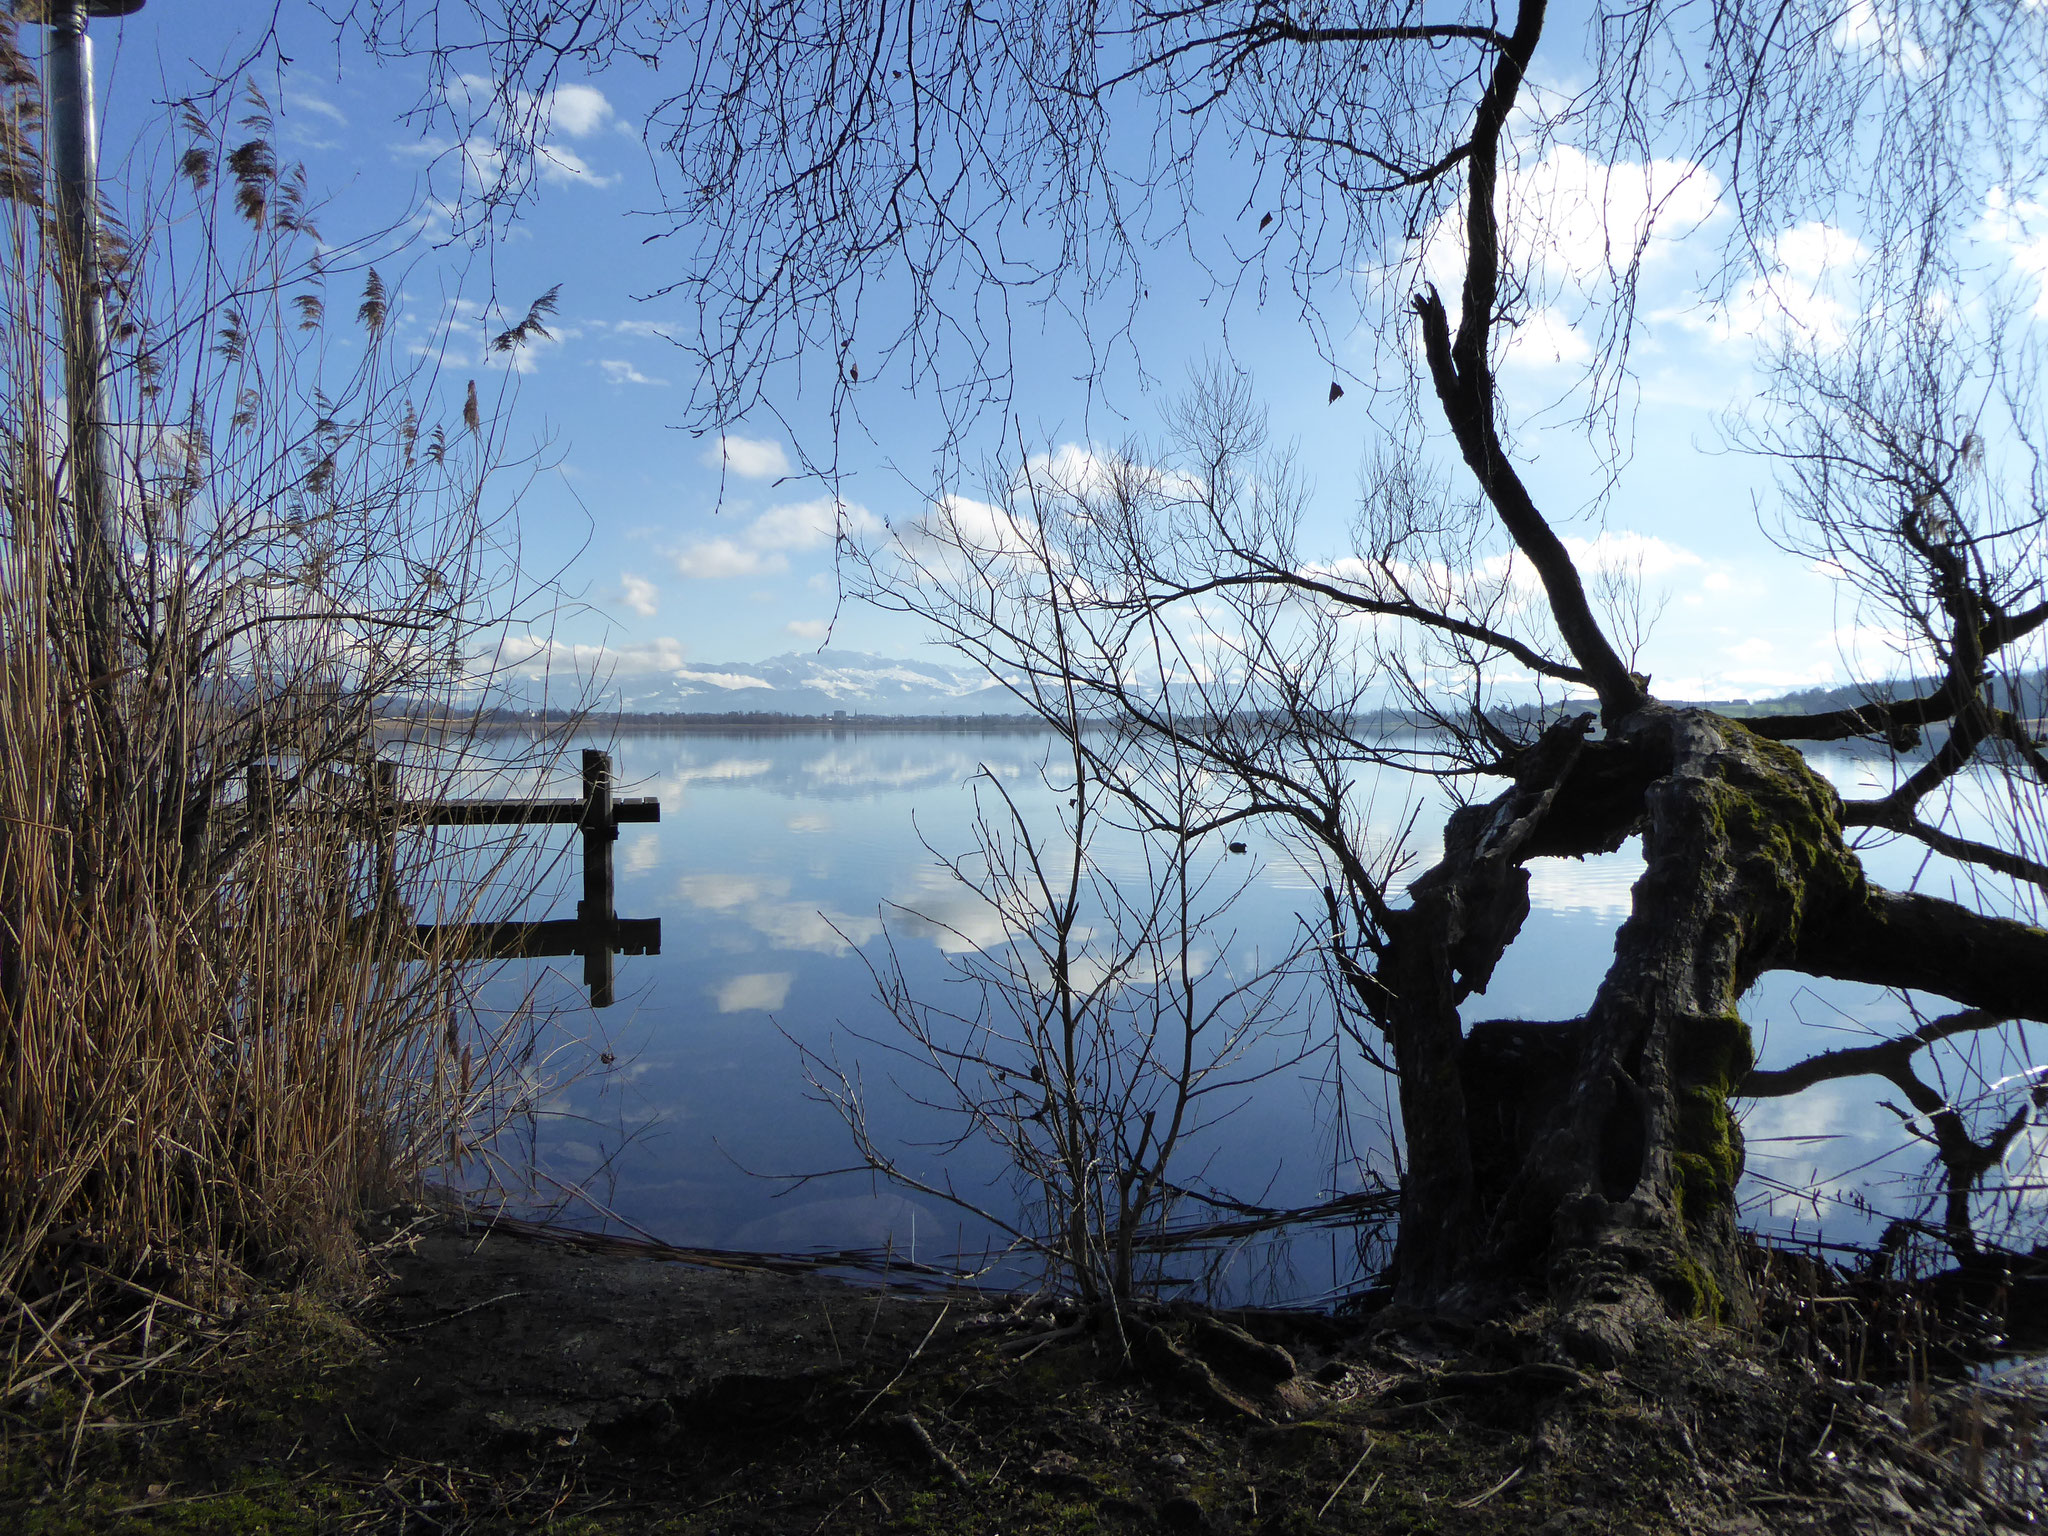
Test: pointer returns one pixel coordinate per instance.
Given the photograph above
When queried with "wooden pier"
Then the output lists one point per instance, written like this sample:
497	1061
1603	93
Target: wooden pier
596	932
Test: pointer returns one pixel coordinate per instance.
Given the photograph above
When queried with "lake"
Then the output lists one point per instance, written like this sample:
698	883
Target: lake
782	859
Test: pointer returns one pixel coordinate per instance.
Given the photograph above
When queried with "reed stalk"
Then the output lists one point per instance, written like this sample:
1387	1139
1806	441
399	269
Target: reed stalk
220	1037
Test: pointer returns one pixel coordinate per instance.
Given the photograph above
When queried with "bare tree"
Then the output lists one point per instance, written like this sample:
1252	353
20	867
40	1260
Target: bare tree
1912	468
985	165
1100	1013
1597	1156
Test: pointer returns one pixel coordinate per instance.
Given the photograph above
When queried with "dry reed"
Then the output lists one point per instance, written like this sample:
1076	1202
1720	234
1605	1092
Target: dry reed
219	1034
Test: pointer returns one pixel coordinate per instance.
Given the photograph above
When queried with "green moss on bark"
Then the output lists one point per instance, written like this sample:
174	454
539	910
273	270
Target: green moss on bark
1691	1291
1779	824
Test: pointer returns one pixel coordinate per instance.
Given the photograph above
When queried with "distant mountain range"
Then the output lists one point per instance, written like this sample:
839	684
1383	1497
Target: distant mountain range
812	683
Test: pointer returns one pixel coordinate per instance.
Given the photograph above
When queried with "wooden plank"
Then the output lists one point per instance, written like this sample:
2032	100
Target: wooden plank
505	941
637	935
509	813
551	937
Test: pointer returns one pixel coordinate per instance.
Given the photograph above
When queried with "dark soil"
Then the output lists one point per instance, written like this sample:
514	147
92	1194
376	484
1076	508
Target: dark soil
499	1383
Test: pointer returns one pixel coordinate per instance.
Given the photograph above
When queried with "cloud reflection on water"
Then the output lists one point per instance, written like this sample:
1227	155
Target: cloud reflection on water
1603	885
764	991
775	854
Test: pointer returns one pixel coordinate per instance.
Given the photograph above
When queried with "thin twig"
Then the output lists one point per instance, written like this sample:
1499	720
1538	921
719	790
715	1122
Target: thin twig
1346	1479
906	1364
1477	1500
449	1317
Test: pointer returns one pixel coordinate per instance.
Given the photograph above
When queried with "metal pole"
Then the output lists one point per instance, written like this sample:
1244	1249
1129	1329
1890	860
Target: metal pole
73	157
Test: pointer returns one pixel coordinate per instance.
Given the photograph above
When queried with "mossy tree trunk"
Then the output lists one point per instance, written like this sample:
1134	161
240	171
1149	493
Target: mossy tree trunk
1594	1160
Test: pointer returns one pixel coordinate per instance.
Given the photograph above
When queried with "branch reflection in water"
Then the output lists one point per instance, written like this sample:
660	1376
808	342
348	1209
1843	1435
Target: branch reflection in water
777	860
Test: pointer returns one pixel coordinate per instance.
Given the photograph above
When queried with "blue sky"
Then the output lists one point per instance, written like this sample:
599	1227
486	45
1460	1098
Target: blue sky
674	557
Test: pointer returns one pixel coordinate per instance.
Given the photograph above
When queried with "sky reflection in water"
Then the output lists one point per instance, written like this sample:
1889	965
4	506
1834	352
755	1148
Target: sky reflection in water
778	858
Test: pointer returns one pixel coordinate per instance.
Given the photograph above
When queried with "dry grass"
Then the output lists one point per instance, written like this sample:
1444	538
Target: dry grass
219	1036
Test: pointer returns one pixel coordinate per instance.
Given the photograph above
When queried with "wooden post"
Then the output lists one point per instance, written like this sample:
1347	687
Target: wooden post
262	797
384	814
595	910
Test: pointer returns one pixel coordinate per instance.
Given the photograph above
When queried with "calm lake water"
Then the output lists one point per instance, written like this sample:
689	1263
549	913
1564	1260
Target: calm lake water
781	859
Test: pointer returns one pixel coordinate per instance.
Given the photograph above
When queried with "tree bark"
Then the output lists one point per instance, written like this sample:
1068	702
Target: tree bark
1592	1162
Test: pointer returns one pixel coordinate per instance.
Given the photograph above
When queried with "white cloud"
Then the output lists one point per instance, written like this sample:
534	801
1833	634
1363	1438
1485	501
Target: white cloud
1881	650
954	918
808	629
534	656
619	371
1604	884
719	559
762	548
470	95
1806	287
751	458
1073	468
1573	220
1878	28
849	766
727	893
1505	583
298	98
2021	227
1752	652
639	594
477	163
1816	249
1544	338
671	787
765	990
564	166
806	524
1623	549
471	328
1759	664
758	901
574	110
957	531
483	160
578	110
662	654
787	925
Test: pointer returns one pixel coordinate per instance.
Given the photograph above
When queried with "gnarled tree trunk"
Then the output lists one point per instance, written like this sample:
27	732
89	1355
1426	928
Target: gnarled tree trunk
1594	1161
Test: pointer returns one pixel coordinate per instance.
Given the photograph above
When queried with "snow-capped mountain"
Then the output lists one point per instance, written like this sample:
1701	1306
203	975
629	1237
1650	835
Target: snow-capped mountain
812	683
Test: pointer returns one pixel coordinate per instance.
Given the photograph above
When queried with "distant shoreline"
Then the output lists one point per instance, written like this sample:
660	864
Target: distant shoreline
729	723
783	725
777	723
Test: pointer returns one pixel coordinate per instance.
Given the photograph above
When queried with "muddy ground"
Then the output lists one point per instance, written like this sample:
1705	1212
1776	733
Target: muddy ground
491	1381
